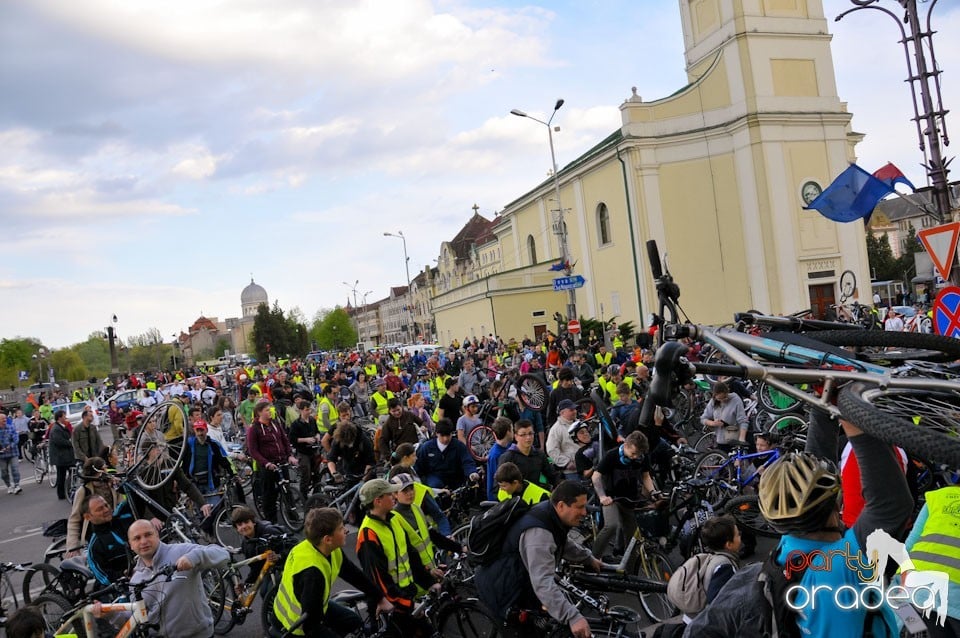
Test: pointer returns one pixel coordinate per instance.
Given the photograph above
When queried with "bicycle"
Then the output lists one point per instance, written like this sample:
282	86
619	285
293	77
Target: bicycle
63	617
344	497
231	606
289	500
7	593
895	405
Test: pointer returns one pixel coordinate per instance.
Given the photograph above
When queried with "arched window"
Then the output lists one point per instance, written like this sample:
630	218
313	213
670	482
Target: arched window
532	249
603	224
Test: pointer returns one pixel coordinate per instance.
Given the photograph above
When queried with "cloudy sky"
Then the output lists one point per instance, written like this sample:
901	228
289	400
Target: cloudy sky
154	156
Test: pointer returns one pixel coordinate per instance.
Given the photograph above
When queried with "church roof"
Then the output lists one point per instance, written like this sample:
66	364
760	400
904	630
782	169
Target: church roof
253	294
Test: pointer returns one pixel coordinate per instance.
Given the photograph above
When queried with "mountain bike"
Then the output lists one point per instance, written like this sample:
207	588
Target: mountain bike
894	404
289	500
8	595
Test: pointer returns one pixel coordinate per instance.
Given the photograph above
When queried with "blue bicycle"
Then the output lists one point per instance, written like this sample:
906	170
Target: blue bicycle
733	471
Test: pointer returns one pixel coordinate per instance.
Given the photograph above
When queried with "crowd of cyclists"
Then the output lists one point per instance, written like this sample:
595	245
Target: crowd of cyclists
399	427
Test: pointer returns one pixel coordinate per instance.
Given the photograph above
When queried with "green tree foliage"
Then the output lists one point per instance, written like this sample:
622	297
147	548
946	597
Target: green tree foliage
883	265
223	344
15	355
67	365
905	263
285	336
334	331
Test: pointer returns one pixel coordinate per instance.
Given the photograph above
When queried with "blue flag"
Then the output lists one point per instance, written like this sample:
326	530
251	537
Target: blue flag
852	195
558	266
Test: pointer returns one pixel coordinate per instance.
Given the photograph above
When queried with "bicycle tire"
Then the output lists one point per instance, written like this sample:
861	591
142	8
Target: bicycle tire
466	619
656	567
706	442
268	620
40	468
924	347
54	608
746	511
480	440
921	421
291	508
51	476
48	574
774	401
156	462
586	409
224	531
221	600
714	465
532	392
791	425
73	483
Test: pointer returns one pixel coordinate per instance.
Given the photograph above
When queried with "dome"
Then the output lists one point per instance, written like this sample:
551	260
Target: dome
254	295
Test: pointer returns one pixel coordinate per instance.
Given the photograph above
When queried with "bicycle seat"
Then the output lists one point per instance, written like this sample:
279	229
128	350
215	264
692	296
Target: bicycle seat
76	564
485	505
348	596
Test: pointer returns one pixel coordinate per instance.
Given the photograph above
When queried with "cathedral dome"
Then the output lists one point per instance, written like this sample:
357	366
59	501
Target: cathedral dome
253	295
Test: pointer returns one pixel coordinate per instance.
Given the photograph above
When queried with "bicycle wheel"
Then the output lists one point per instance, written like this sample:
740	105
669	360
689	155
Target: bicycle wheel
466	619
923	422
791	425
774	401
54	609
532	392
706	442
268	619
73	483
51	474
224	530
655	565
291	508
896	346
40	468
155	456
717	466
39	577
479	441
746	511
222	601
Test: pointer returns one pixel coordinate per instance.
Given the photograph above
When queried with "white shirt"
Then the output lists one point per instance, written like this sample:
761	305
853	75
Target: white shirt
893	324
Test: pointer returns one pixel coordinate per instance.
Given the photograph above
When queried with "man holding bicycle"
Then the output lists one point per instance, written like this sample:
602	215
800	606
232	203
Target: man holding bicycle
178	605
269	446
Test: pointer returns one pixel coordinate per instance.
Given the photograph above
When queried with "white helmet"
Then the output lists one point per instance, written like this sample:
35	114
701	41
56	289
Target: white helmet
471	399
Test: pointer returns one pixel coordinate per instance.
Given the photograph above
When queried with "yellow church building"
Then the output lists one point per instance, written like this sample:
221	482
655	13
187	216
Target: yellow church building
717	173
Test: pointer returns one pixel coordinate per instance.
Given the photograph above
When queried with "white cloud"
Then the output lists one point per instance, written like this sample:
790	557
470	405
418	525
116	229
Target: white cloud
199	163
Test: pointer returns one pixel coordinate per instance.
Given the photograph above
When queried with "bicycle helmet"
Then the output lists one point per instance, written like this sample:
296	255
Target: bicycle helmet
423	372
798	492
575	427
470	399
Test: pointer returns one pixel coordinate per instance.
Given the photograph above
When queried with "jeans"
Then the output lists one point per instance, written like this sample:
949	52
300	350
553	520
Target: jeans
338	621
10	471
615	518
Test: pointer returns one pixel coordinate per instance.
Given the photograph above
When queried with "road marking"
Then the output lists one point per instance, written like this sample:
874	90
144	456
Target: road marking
34	532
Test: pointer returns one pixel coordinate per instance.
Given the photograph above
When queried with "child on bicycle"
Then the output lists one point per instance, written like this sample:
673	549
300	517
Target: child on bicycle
253	530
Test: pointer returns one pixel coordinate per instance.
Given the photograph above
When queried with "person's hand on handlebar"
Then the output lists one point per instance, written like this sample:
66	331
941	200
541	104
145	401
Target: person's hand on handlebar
606	500
384	606
580	628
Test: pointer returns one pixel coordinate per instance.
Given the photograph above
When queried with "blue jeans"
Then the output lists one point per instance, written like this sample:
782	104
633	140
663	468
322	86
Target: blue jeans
10	470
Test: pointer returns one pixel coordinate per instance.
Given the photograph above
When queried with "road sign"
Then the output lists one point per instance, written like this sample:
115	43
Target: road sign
573	327
946	312
568	283
941	244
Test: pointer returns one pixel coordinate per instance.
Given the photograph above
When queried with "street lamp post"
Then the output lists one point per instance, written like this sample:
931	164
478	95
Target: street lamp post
112	338
931	123
176	346
39	357
560	226
356	317
406	265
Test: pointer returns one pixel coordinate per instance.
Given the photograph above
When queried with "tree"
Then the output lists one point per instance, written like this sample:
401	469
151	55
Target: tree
335	331
906	264
277	335
883	265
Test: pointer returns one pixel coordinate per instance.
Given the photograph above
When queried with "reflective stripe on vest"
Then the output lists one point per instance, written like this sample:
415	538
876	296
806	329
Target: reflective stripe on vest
393	540
304	556
381	402
938	548
333	415
420	537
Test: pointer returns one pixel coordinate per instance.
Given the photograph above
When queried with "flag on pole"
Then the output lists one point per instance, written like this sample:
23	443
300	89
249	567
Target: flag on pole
890	175
852	195
560	265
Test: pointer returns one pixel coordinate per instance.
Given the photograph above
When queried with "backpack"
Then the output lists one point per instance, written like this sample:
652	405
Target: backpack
489	530
687	587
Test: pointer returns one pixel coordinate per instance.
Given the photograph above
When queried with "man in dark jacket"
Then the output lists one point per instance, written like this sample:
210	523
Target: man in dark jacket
444	461
86	439
566	388
400	426
533	464
108	553
61	451
522	577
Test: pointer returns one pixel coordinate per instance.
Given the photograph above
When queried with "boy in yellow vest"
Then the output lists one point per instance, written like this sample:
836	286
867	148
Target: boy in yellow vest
308	576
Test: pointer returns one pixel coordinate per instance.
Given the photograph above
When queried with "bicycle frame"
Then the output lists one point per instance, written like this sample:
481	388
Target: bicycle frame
270	558
137	610
772	455
735	345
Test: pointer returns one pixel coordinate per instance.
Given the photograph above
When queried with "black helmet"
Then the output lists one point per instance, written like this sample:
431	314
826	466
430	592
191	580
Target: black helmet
423	372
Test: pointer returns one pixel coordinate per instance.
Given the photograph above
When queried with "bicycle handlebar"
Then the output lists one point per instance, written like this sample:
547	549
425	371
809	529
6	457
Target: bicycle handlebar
654	256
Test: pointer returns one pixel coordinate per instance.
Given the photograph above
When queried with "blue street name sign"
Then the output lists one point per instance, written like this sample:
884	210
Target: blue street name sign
568	283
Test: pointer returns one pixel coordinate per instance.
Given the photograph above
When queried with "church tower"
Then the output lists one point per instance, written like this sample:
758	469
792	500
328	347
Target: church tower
736	154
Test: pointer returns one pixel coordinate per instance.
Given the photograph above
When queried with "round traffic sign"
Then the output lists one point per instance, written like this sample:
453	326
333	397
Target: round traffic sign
573	327
946	312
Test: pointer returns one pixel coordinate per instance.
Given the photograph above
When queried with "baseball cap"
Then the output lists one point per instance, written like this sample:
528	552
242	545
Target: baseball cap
200	425
403	480
375	488
566	404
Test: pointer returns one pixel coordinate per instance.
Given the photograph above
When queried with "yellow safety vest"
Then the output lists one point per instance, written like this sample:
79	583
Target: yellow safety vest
420	492
611	388
334	415
381	402
603	360
938	548
420	536
393	540
617	343
532	494
151	385
304	556
370	370
176	419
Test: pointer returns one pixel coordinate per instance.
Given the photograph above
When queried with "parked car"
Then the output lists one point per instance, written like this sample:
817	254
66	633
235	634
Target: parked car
130	399
44	387
75	410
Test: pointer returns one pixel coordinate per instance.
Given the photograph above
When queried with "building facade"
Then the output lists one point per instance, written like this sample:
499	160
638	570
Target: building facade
717	173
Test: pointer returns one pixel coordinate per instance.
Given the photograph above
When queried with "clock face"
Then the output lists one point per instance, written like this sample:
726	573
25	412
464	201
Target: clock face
809	192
